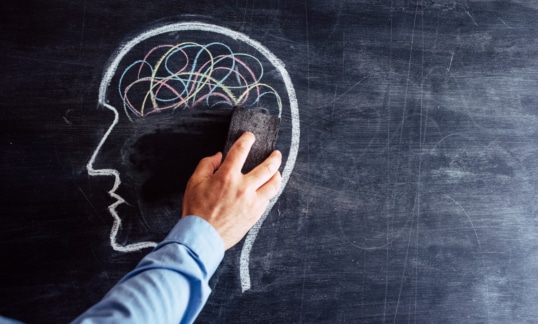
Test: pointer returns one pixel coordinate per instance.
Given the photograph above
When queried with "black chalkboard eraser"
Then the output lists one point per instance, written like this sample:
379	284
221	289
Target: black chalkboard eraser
262	124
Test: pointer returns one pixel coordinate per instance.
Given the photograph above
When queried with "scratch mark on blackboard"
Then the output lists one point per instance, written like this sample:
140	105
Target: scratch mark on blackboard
504	23
465	103
110	71
349	89
96	258
479	248
450	64
406	258
243	23
471	16
434	47
401	136
83	25
439	142
404	111
391	237
307	48
422	141
333	103
64	117
363	285
302	292
388	215
280	38
468	218
88	200
55	61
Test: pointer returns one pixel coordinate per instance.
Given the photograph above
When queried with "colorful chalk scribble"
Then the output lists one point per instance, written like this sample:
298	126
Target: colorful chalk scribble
189	74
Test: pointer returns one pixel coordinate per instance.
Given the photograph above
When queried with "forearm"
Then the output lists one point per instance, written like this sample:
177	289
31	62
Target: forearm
169	285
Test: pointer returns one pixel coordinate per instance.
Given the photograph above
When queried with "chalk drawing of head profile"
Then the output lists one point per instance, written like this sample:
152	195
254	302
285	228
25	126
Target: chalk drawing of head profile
171	90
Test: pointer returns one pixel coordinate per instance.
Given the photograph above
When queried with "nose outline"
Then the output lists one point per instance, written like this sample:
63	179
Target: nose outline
112	192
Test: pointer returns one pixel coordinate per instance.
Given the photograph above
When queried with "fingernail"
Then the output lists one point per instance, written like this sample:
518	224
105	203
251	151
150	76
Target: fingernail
252	136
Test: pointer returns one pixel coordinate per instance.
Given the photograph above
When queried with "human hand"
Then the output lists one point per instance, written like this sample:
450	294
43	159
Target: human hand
232	202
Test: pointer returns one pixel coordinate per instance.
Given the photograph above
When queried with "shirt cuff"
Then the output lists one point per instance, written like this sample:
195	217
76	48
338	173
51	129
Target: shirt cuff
199	236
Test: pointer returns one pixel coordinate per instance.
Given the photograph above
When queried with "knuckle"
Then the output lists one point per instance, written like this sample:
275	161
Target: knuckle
226	178
276	185
243	146
270	168
241	192
278	182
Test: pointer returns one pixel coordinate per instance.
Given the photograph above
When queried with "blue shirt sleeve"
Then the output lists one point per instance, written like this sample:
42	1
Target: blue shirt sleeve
170	284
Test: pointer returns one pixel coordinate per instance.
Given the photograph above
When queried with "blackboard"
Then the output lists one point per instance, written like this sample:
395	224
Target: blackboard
413	195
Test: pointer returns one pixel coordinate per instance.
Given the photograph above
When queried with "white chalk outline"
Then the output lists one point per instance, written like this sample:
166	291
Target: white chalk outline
288	167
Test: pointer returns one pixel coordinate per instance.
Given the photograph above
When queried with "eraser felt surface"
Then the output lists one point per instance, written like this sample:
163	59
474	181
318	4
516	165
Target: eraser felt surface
263	125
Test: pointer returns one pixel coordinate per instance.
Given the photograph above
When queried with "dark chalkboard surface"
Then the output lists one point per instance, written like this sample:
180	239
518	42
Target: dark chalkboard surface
413	197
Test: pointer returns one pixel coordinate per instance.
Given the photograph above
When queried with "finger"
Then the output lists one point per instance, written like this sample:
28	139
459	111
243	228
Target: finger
208	165
238	153
263	172
271	187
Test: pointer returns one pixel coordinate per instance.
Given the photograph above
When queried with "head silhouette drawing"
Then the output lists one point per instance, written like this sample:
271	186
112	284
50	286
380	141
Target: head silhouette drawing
171	90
